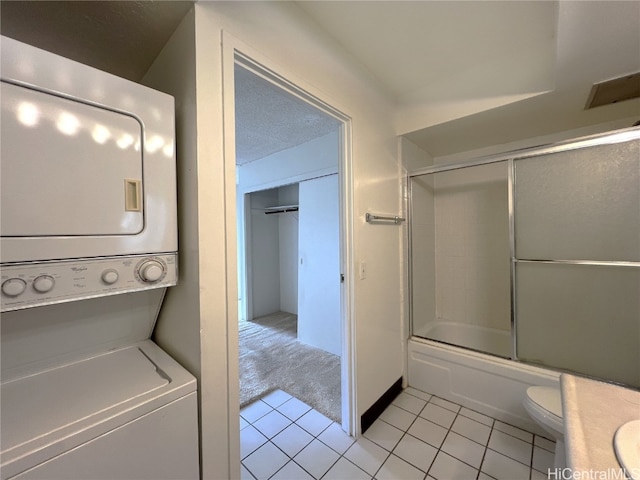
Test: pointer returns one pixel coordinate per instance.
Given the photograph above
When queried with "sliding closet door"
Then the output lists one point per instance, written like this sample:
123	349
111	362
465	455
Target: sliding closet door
319	322
577	246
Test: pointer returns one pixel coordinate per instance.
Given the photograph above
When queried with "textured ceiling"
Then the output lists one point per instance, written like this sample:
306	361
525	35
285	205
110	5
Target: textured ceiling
269	120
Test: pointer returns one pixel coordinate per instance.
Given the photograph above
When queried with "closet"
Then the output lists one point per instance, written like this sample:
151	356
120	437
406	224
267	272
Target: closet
293	259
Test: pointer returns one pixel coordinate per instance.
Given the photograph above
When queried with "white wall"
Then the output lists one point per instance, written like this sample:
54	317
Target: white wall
319	319
264	242
311	159
282	37
198	324
288	225
412	156
182	341
192	326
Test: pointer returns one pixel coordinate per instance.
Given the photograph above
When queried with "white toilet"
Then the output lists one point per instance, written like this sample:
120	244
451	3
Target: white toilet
544	404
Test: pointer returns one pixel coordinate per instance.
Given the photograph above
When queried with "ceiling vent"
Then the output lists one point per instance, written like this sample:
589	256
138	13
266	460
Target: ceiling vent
614	91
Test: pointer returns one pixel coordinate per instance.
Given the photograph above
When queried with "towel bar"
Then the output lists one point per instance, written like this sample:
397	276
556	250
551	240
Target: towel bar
374	218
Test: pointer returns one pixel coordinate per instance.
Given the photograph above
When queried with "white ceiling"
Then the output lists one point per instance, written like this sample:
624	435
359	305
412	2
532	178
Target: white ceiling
464	74
471	74
453	57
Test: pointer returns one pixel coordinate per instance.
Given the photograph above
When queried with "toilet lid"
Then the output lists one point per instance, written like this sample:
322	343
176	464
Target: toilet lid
548	398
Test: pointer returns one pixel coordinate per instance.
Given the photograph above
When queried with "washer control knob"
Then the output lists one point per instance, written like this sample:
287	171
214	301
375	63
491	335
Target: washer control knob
110	276
13	287
43	283
151	271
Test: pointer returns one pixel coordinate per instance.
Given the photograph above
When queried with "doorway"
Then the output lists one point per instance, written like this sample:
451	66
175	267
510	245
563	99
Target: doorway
288	179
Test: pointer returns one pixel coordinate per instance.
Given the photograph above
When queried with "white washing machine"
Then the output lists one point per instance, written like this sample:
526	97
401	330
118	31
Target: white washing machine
85	394
127	413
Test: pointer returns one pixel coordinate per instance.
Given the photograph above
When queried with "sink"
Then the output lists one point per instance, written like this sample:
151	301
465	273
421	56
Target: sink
627	446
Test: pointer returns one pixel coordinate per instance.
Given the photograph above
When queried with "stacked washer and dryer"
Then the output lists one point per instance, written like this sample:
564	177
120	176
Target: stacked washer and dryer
89	248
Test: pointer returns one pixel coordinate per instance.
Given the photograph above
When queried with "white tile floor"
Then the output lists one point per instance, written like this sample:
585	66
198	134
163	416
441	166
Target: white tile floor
419	436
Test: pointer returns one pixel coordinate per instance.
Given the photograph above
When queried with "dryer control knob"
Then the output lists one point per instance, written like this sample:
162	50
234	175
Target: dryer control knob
151	271
110	277
13	287
43	283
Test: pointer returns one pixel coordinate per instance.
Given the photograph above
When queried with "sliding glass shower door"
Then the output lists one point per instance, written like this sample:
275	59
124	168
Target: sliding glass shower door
577	259
534	256
460	257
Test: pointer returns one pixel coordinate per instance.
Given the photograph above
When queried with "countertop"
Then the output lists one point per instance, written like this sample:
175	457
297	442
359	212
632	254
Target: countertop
592	413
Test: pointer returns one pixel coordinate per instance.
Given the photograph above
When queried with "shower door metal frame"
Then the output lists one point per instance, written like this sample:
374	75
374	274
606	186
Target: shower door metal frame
608	138
448	168
511	179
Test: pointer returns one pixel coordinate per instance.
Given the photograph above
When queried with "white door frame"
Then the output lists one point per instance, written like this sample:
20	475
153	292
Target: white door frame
235	51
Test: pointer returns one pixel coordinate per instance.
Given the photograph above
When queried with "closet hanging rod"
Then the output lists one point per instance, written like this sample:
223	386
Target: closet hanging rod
374	218
280	209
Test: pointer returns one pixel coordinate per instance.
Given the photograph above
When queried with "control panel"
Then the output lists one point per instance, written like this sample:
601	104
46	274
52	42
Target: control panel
36	284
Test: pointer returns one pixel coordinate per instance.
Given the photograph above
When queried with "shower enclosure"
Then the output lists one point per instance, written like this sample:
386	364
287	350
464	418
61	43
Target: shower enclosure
533	256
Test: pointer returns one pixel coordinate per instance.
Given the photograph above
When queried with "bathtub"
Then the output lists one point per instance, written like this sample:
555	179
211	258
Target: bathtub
487	384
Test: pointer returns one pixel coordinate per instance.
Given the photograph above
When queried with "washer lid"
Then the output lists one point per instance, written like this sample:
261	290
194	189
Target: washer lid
48	412
548	398
49	401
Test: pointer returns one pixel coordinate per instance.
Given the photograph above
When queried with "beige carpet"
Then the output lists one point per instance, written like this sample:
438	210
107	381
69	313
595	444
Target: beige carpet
272	358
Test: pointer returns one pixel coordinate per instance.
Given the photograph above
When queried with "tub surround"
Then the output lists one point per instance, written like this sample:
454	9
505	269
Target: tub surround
593	411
